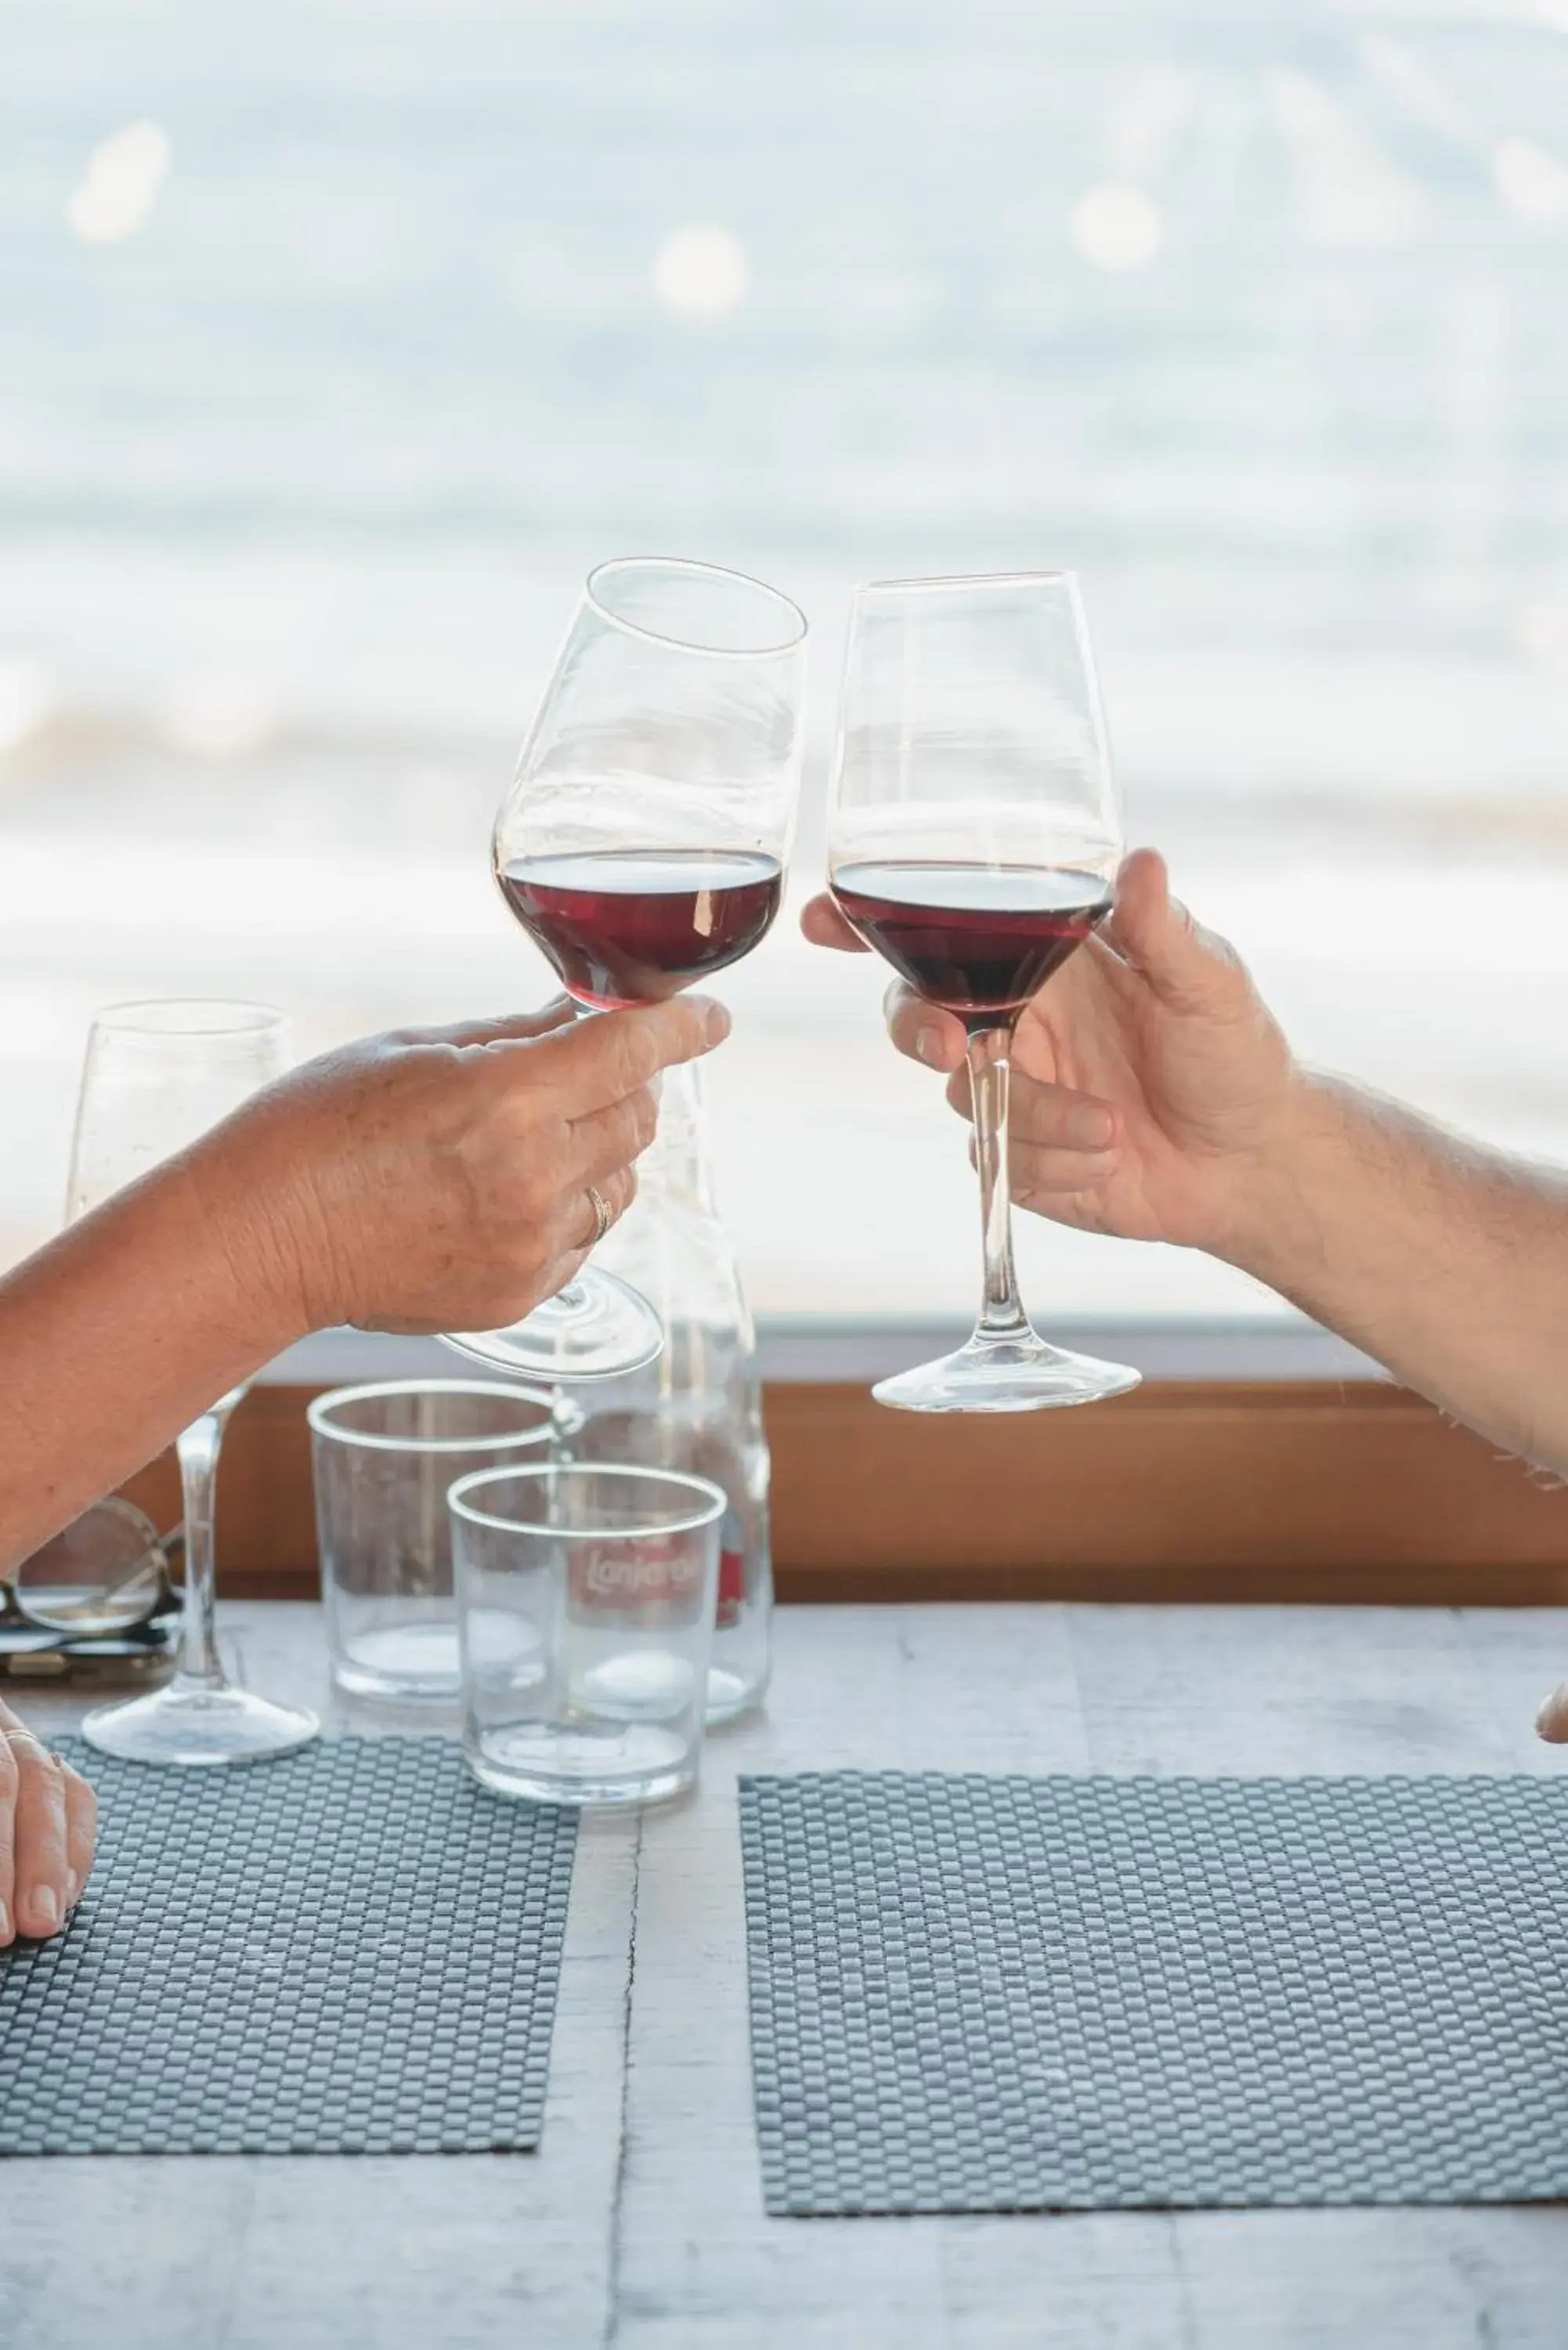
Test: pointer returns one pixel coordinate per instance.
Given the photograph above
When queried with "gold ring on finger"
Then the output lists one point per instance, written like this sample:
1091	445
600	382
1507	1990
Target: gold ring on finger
603	1216
26	1737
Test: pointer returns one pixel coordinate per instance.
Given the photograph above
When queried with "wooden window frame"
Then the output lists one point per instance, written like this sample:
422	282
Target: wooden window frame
1222	1488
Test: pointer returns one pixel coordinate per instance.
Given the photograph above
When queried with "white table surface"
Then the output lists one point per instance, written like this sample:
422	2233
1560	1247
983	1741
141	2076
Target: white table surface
639	2223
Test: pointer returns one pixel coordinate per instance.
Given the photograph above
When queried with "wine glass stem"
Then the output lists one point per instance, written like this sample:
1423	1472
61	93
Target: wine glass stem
572	1296
1002	1313
198	1447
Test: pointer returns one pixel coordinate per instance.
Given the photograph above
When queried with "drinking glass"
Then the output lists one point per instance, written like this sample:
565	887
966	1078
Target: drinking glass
586	1593
974	842
156	1077
384	1458
643	845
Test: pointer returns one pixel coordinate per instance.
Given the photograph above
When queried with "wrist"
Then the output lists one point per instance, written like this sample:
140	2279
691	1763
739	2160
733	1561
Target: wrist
1277	1227
250	1201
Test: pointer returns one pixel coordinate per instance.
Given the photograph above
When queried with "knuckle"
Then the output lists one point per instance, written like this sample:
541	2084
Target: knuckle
528	1119
641	1057
549	1147
644	1121
539	1178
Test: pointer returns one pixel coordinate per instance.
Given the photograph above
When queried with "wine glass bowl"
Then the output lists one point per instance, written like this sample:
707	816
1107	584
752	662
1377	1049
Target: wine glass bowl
973	843
643	844
156	1077
633	926
644	841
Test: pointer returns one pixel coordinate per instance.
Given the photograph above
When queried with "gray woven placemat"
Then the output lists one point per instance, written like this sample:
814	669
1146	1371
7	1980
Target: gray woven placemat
975	1994
349	1950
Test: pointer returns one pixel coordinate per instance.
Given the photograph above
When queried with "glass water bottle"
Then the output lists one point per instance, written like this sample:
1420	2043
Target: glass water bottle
699	1405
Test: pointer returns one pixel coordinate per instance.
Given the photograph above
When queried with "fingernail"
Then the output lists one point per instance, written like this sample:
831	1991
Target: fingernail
718	1024
73	1888
1552	1721
928	1047
46	1908
5	1923
1090	1129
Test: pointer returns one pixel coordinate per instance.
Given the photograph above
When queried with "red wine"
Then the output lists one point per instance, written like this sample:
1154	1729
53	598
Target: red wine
632	925
979	940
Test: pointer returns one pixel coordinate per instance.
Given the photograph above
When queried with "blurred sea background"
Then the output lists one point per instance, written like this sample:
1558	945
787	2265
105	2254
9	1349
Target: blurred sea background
339	340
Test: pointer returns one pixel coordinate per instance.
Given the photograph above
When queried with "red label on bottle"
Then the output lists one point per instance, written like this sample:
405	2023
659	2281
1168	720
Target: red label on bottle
731	1597
731	1588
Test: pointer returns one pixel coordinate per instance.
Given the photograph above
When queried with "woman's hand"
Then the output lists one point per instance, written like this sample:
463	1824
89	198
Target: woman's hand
1152	1088
49	1816
434	1180
442	1179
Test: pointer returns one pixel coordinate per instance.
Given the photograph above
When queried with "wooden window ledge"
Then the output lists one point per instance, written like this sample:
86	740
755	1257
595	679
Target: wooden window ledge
1186	1489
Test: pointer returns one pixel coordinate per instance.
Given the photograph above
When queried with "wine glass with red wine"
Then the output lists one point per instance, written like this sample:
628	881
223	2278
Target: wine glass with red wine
974	842
643	845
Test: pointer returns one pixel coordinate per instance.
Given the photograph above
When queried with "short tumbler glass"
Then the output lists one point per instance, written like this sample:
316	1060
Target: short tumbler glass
384	1457
586	1594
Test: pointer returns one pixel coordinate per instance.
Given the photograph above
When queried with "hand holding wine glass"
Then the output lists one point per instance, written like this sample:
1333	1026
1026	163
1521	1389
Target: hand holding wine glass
973	839
401	1182
643	846
406	1182
1153	1094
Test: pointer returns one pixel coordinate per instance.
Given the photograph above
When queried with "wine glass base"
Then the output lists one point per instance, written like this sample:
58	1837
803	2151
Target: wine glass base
189	1727
1021	1374
596	1329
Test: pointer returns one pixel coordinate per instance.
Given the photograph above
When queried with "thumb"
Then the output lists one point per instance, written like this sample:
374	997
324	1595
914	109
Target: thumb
1158	938
825	926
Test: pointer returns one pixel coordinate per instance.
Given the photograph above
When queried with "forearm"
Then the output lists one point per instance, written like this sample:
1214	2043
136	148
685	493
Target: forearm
1445	1261
117	1334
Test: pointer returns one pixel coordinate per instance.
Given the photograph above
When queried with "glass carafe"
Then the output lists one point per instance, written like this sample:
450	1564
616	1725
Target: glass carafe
698	1407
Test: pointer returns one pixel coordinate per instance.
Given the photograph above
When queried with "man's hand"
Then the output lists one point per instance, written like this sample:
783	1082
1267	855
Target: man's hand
1155	1097
1153	1094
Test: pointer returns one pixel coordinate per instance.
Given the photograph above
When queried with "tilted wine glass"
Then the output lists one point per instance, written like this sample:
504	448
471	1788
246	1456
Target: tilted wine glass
156	1077
973	841
643	845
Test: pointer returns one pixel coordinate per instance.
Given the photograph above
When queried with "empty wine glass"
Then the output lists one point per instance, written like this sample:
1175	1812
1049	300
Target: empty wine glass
973	843
643	845
156	1077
